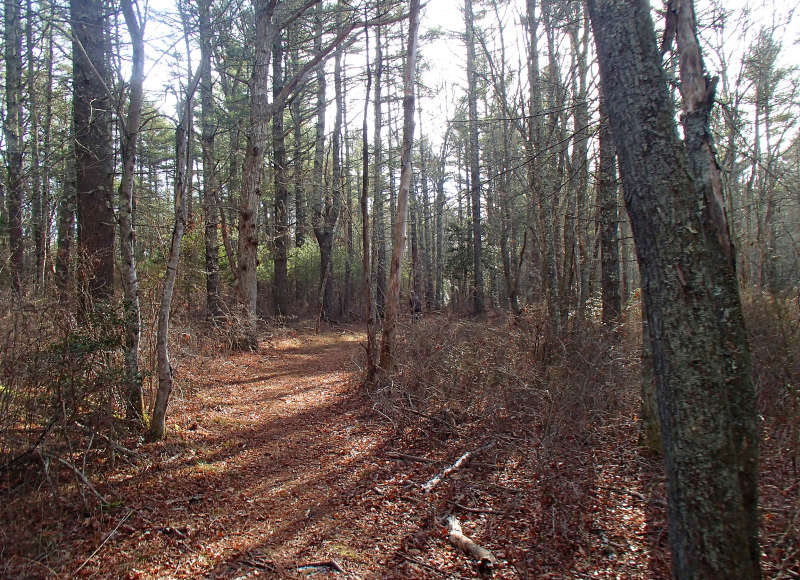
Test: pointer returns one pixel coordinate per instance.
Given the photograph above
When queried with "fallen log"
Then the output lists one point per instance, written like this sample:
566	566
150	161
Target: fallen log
486	560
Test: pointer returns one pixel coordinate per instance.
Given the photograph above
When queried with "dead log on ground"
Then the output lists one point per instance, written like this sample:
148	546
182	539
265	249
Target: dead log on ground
486	560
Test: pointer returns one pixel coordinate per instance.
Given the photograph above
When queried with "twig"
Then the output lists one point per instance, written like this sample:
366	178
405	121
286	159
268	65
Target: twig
81	476
406	457
103	543
108	440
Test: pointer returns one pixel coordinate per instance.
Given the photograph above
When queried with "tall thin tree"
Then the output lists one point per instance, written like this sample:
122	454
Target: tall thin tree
12	127
399	237
129	131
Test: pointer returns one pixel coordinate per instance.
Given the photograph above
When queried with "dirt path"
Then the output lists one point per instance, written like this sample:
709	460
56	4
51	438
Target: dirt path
268	452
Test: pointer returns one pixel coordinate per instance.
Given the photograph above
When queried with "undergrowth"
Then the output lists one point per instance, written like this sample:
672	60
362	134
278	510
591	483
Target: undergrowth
512	369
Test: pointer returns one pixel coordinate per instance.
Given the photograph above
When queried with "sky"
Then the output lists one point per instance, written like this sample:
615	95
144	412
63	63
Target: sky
445	56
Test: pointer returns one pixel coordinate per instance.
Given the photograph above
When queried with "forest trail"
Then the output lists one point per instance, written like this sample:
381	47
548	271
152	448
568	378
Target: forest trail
268	462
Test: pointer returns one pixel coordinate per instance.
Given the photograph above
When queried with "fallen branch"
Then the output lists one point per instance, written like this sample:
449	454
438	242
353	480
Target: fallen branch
486	560
77	472
435	480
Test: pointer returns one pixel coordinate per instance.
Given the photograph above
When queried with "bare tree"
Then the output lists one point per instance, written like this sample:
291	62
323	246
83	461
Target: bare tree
474	163
158	421
129	131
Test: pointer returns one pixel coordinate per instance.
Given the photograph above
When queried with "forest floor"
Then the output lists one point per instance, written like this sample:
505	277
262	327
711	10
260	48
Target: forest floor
277	464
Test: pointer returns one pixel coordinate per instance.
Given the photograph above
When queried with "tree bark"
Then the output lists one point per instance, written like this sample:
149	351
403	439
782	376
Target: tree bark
609	220
129	131
701	356
366	256
300	202
207	143
393	297
280	259
253	162
39	209
697	90
66	225
91	110
379	199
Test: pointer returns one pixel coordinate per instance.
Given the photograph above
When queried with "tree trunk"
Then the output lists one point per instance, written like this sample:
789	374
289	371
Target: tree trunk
416	282
609	220
12	127
379	201
366	256
474	167
318	175
426	219
47	142
129	130
440	204
66	225
347	192
91	110
281	185
39	215
393	298
207	138
251	169
701	357
579	160
328	206
158	421
299	191
697	90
